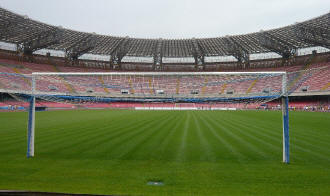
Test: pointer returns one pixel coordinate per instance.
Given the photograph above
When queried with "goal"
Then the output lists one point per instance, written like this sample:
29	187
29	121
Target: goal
244	90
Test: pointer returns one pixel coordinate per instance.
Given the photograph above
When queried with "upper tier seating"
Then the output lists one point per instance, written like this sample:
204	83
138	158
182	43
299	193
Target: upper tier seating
317	80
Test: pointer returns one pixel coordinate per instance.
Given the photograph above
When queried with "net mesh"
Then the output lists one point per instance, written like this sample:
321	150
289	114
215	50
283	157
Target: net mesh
170	87
105	90
244	88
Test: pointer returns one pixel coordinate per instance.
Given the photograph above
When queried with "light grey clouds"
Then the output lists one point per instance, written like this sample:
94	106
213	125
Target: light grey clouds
169	18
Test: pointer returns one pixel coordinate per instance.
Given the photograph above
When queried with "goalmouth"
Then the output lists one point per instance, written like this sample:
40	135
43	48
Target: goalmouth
197	87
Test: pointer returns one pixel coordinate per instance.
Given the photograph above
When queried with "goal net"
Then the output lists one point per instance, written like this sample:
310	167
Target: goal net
243	87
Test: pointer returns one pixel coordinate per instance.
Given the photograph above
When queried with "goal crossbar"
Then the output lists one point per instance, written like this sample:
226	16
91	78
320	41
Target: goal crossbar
152	73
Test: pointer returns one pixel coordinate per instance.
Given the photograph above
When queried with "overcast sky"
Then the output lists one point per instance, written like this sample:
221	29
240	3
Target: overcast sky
169	18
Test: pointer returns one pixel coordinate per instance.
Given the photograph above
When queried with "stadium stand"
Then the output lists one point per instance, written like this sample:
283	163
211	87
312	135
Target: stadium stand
315	81
39	47
312	81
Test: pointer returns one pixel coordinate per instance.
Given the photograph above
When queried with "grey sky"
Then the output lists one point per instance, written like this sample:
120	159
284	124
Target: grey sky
169	18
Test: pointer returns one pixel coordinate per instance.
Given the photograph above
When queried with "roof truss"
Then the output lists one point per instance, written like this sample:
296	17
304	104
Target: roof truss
31	35
237	50
42	40
119	52
198	53
81	46
158	55
314	35
276	45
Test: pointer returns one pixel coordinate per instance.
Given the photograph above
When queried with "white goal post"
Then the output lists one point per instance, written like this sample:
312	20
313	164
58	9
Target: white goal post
224	87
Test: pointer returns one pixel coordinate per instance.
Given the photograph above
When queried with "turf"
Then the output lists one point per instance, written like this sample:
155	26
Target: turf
191	152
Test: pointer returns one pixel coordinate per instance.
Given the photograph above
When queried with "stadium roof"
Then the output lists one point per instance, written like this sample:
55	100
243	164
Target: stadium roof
31	35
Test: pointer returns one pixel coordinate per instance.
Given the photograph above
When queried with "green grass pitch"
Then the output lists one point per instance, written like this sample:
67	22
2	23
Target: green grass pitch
192	152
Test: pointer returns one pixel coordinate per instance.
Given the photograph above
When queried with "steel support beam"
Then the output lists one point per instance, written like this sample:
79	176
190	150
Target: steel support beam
4	25
198	54
238	51
81	47
7	27
158	56
277	45
119	52
313	35
42	40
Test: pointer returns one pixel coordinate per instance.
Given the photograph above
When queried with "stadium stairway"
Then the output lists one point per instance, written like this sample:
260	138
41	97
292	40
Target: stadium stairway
2	86
5	69
300	74
223	88
131	86
150	86
27	81
68	86
204	88
100	78
177	86
251	86
325	87
56	69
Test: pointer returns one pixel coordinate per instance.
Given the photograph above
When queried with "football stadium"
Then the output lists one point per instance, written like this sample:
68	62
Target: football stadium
93	114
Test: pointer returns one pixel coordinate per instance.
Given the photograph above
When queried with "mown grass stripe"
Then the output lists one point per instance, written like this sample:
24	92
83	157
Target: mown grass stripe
168	145
204	143
235	135
148	133
181	149
301	143
91	143
217	132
